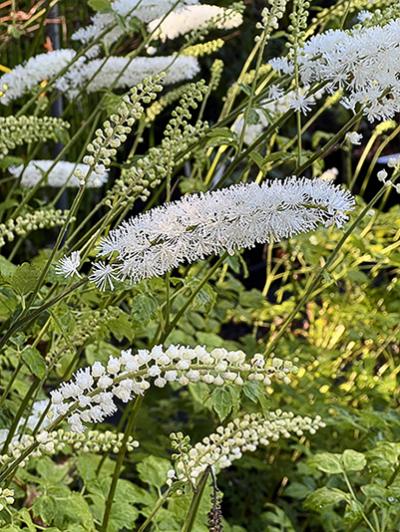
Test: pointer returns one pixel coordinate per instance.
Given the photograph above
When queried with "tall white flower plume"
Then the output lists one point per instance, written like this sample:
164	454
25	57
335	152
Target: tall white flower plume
126	10
364	63
230	219
189	18
28	75
62	173
122	72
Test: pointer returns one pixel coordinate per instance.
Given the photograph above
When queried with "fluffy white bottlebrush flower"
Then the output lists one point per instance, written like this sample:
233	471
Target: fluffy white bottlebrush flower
228	443
63	172
124	10
229	219
122	72
96	388
68	266
364	63
188	18
28	75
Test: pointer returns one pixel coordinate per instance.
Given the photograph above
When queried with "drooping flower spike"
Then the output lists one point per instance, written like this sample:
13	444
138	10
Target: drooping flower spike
125	377
229	443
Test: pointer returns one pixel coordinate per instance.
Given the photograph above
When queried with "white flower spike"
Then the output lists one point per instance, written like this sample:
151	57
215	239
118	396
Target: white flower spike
229	219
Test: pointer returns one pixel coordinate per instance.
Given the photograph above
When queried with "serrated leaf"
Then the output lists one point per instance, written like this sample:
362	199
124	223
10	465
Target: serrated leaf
222	402
34	361
153	471
45	507
24	279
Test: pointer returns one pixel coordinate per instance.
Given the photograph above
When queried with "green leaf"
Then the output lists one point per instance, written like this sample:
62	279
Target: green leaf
253	391
323	497
144	308
297	490
205	299
353	460
7	268
34	361
153	471
222	402
328	462
45	507
221	136
121	327
62	135
24	279
100	5
10	161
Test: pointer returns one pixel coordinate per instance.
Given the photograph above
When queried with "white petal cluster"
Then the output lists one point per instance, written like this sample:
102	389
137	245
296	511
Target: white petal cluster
68	266
275	104
229	443
229	219
354	138
54	442
126	10
63	172
364	63
28	422
185	19
28	75
31	221
122	72
90	396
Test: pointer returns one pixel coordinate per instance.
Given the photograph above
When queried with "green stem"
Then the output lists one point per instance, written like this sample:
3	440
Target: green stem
154	511
195	503
120	460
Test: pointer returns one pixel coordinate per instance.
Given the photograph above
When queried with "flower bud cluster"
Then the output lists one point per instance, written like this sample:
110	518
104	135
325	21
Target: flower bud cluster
31	221
229	443
15	131
90	395
216	73
88	325
6	497
205	48
57	441
298	25
116	129
167	99
379	16
270	16
160	161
